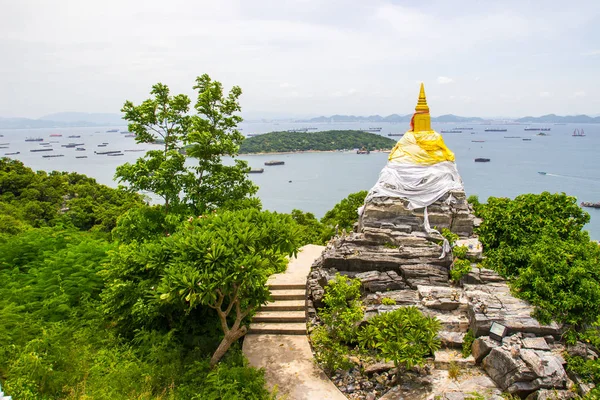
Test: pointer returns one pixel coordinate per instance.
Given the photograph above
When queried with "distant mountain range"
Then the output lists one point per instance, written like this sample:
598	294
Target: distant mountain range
77	119
63	120
550	118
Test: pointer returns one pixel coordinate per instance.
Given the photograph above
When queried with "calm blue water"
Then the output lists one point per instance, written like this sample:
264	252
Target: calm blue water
320	180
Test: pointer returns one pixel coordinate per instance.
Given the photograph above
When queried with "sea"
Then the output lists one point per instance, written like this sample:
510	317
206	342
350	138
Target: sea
315	181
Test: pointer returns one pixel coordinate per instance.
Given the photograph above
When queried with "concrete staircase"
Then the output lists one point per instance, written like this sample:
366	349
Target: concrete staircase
286	314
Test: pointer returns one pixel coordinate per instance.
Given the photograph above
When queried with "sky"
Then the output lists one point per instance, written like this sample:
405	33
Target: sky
303	58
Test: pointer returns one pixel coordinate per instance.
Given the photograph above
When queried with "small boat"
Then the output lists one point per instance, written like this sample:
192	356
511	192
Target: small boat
541	134
451	131
590	204
80	149
36	150
464	129
55	135
274	162
34	140
477	141
512	137
254	134
74	136
527	140
495	130
108	153
101	145
12	154
130	135
395	134
542	173
53	155
482	160
363	152
578	133
4	147
256	171
115	154
124	132
374	129
112	130
134	150
80	156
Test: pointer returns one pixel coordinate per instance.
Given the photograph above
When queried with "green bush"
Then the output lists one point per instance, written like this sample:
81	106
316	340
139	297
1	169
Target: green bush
467	344
537	242
405	336
386	301
459	269
329	353
460	252
450	236
343	308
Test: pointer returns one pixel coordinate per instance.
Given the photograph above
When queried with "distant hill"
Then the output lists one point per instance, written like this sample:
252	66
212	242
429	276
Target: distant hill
87	118
390	118
553	118
63	120
275	142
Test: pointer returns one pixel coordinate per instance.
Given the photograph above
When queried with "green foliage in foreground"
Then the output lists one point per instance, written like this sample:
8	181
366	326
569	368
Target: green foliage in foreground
537	242
319	141
57	344
404	335
220	261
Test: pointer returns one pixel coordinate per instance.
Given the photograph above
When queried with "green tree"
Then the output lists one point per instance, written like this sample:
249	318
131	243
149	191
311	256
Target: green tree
206	136
220	261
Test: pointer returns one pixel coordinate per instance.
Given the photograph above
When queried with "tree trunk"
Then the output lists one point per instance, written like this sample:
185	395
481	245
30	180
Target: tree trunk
230	338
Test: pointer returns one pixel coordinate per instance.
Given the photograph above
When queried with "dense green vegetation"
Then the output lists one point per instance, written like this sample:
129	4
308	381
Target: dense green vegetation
404	335
38	199
537	243
320	141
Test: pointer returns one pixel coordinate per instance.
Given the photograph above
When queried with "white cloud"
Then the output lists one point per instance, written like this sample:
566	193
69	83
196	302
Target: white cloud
286	85
442	80
579	93
545	94
591	53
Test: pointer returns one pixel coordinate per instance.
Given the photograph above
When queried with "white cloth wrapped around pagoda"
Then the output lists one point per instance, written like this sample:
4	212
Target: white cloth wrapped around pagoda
420	168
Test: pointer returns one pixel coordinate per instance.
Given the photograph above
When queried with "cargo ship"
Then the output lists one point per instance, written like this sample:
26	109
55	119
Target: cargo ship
274	162
482	160
495	130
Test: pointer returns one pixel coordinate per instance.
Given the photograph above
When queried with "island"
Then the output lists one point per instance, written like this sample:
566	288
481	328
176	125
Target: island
278	142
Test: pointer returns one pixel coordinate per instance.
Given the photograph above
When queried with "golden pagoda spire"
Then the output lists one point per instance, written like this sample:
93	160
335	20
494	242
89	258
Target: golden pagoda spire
421	120
422	103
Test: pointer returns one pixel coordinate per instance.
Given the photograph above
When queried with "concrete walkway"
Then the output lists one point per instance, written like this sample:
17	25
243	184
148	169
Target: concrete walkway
287	358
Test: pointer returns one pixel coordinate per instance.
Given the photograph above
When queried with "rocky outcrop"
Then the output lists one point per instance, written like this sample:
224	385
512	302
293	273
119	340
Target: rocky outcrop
523	366
395	257
451	211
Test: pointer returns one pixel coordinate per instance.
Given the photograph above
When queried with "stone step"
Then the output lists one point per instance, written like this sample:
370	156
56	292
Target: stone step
285	286
284	305
444	358
451	339
279	316
288	294
286	328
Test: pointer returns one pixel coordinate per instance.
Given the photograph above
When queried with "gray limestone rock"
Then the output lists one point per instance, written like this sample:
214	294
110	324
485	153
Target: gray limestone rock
482	346
546	394
375	281
507	370
493	302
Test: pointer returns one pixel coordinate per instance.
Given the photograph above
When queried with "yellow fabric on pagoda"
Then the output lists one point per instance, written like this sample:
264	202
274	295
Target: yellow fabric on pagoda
421	148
